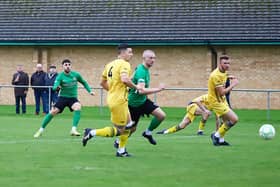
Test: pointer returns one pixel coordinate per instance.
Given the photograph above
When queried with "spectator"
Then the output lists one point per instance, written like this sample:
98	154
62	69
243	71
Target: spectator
20	78
49	81
228	93
37	80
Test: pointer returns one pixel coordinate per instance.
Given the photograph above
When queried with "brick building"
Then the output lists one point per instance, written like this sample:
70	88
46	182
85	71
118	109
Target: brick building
187	36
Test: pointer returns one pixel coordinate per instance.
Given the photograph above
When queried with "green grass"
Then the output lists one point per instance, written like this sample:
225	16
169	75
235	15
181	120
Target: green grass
180	159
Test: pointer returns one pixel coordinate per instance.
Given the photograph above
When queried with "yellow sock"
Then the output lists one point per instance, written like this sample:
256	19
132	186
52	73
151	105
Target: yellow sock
107	132
223	129
201	126
124	138
173	129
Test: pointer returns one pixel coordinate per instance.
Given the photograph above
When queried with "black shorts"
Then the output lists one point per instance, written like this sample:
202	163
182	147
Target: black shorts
63	102
146	109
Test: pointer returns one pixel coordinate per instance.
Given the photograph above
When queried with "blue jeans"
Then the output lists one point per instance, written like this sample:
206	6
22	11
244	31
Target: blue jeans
21	98
41	94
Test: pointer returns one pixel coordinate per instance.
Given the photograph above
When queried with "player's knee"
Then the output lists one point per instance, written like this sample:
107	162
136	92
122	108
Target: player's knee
234	120
162	116
183	125
54	111
77	106
132	129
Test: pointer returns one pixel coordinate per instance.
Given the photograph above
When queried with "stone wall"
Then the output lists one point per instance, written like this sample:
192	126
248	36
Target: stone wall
257	67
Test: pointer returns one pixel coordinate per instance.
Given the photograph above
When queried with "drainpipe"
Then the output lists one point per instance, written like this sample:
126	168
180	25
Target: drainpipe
214	56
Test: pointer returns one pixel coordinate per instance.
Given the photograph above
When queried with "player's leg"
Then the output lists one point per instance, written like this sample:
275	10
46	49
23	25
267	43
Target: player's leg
185	122
46	121
229	119
188	118
158	117
76	108
133	118
204	117
119	117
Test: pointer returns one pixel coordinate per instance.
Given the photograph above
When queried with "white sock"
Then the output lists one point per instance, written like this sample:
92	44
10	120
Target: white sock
221	140
41	129
74	128
130	124
121	150
217	134
93	132
148	132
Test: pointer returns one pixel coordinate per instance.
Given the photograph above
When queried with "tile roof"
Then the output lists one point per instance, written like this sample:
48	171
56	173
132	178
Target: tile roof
153	21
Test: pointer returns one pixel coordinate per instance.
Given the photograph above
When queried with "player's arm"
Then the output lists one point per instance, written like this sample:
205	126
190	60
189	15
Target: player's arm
221	90
147	91
56	85
85	84
104	84
201	106
127	81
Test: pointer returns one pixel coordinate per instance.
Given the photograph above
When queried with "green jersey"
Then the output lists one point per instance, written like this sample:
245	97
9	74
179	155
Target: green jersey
68	84
141	75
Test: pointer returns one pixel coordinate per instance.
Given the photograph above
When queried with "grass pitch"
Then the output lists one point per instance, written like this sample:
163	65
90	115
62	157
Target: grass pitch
180	159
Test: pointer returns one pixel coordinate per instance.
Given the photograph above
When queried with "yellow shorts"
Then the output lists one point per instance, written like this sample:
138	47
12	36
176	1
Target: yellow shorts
219	108
119	113
191	111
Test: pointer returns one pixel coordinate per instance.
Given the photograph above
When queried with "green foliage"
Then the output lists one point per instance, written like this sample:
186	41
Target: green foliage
181	159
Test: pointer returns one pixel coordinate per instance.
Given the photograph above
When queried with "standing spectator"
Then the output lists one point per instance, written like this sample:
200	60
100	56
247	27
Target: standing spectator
20	78
49	81
38	79
228	93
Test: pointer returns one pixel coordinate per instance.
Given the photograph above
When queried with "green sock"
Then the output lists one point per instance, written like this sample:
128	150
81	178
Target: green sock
154	124
46	120
76	118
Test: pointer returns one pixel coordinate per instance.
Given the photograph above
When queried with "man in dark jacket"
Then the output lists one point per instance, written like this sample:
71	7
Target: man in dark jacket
37	80
20	78
49	81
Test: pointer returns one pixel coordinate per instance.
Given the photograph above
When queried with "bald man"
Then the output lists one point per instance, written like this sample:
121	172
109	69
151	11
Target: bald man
138	103
40	93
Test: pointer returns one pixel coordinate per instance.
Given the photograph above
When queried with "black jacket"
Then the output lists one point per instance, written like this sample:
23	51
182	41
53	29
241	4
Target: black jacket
23	80
38	79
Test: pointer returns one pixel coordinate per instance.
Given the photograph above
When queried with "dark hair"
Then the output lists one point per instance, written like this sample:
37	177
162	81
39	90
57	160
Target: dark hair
224	57
122	46
65	61
53	66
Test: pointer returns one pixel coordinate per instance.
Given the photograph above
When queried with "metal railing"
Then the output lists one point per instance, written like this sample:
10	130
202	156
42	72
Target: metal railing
267	91
101	92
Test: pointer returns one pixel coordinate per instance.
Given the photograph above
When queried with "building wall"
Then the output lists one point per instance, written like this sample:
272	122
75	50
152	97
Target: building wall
257	67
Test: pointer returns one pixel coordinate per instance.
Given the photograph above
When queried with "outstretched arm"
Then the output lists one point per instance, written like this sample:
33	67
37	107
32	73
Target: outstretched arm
147	91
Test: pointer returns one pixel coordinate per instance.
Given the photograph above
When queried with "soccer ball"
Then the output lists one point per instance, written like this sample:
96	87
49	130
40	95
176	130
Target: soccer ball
267	131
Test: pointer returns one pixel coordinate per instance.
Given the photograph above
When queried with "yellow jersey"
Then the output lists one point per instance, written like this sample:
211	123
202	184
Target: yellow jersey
118	91
216	79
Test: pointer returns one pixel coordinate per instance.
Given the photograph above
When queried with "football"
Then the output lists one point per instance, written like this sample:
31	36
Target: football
267	131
